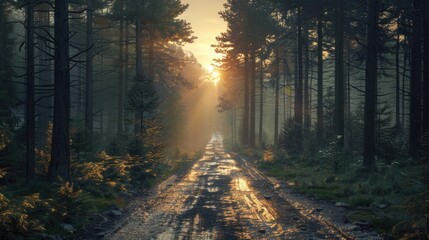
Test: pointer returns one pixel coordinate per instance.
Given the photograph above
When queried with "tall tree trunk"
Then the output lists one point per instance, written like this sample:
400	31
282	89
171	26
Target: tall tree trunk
398	79
349	100
370	85
59	166
245	136
426	69
320	78
277	96
89	89
80	91
139	70
285	75
126	69
298	89
120	116
44	111
30	112
307	115
415	85
261	102
151	69
406	60
339	74
252	133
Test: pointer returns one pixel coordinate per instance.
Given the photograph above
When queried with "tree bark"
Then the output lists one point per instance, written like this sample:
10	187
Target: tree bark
245	136
252	133
406	60
261	102
426	70
277	96
285	75
398	124
307	115
30	111
320	78
59	166
89	87
126	69
139	70
298	89
415	85
44	111
339	74
370	86
121	72
151	70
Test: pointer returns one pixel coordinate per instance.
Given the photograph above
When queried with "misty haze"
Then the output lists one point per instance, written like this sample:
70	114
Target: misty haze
214	119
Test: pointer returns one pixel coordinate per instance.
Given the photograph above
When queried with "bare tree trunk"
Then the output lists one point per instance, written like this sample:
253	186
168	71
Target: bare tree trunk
426	69
151	70
339	74
89	111
139	71
415	85
80	90
298	89
252	135
406	60
307	114
349	101
44	111
371	85
59	166
245	140
398	81
120	115
277	96
285	75
126	69
30	112
261	102
320	78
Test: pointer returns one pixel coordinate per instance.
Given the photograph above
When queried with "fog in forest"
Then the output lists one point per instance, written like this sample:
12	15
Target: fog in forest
214	119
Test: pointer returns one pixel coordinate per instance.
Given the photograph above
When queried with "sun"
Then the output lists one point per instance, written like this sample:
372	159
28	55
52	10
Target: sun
214	75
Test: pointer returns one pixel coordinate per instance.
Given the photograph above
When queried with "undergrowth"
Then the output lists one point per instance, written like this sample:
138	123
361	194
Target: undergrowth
100	182
392	196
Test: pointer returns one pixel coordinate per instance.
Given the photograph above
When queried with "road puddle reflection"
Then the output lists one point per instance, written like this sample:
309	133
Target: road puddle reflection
213	189
220	198
241	185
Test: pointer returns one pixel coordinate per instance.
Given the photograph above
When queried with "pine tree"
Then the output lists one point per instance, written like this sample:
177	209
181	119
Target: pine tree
59	166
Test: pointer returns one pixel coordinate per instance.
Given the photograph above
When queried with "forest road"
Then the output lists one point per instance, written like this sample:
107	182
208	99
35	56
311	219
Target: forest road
221	198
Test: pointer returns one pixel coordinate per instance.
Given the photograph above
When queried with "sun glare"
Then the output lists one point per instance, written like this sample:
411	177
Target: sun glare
214	75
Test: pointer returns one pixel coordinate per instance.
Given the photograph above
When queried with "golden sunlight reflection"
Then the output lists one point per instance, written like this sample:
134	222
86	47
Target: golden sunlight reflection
241	185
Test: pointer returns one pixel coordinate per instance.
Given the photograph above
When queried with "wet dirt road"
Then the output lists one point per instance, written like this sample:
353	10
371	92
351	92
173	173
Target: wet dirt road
221	198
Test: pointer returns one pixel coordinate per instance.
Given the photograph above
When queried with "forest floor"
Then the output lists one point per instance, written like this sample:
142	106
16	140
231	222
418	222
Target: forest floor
224	197
389	199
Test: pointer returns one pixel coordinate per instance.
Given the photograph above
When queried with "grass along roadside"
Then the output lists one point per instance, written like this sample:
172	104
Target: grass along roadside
390	197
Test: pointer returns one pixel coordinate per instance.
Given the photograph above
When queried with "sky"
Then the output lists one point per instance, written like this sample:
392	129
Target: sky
207	25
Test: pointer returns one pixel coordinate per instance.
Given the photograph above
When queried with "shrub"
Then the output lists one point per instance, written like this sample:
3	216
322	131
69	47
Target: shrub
17	216
289	136
69	204
269	155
